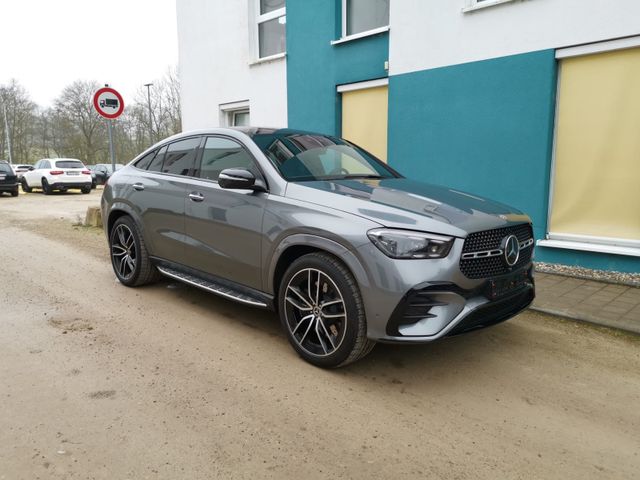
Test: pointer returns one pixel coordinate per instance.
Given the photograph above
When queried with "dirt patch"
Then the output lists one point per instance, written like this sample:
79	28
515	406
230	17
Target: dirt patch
100	394
68	325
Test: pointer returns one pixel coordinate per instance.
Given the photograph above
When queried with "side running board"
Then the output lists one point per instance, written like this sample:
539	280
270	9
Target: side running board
212	287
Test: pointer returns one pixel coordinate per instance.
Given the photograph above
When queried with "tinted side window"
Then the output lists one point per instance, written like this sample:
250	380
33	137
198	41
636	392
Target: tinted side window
46	164
156	164
180	156
221	153
144	162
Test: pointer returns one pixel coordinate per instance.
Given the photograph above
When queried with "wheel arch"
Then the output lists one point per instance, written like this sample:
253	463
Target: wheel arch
119	210
295	246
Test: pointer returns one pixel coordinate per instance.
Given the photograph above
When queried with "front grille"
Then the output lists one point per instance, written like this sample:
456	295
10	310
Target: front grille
488	240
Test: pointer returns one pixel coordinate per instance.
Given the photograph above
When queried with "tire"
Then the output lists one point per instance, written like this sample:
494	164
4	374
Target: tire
25	186
85	190
330	336
46	188
125	241
15	193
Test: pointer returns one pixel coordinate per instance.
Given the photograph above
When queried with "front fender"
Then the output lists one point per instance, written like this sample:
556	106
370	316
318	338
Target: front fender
348	257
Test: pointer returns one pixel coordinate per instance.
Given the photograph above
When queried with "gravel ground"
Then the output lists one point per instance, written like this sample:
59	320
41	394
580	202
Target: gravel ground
620	278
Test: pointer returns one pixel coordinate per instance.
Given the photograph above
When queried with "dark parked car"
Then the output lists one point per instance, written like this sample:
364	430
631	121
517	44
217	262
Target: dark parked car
101	172
345	249
8	179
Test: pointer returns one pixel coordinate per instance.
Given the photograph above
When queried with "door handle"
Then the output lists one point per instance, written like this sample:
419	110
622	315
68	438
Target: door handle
138	186
196	196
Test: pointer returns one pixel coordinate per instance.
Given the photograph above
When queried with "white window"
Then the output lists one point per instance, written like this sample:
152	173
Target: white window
240	118
270	35
235	114
477	4
361	16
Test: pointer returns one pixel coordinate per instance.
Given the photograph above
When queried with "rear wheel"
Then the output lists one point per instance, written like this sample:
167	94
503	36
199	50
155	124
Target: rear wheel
322	312
86	189
46	188
25	186
129	256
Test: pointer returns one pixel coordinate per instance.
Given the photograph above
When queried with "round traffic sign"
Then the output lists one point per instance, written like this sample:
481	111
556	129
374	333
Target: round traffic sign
108	103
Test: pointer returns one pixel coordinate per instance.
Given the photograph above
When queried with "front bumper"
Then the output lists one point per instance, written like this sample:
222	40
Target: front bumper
439	311
419	301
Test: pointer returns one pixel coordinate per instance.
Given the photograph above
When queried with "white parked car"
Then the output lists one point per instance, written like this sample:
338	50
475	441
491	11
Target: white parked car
20	169
51	174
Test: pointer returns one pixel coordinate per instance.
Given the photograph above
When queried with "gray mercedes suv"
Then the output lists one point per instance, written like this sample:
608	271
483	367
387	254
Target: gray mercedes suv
345	249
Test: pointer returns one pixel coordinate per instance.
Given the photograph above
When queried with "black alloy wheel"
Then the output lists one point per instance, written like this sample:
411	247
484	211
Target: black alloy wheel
321	310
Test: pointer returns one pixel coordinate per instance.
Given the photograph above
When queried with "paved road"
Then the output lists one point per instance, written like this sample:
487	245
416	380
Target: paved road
101	381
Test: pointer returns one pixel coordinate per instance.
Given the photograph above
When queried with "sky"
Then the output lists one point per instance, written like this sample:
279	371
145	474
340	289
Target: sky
47	44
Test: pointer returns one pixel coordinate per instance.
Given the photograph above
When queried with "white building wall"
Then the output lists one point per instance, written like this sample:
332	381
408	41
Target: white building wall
215	66
427	34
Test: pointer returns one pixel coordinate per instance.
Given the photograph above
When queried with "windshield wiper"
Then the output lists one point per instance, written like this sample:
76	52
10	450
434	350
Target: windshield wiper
363	175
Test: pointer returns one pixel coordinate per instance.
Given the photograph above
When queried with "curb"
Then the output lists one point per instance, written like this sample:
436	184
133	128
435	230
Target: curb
630	328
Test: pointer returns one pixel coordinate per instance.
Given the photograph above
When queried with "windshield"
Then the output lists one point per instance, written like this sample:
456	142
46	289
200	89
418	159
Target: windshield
304	157
69	164
5	168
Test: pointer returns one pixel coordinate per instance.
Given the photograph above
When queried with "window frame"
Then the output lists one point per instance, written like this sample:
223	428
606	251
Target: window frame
233	114
473	5
258	19
228	111
344	37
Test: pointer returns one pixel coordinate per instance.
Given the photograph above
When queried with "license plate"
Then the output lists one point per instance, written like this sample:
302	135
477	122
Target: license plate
499	287
73	173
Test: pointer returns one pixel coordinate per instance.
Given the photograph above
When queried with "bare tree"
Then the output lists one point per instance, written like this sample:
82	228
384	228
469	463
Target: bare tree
165	106
72	128
21	115
80	132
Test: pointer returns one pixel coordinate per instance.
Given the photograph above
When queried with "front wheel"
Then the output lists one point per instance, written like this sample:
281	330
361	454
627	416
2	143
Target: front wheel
129	256
321	310
15	193
25	186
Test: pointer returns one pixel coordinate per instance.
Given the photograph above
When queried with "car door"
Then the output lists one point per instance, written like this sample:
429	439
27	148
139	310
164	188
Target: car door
40	171
223	226
158	190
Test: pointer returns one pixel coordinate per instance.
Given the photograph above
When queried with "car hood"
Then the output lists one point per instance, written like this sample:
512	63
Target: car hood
404	203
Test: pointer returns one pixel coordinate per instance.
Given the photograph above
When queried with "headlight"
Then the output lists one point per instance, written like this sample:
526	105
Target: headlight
408	244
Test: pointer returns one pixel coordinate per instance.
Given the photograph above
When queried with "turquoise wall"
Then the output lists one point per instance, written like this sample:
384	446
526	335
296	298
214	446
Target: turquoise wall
315	67
486	127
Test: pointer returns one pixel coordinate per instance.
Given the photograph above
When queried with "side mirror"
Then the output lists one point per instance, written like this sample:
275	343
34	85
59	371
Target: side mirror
31	169
239	178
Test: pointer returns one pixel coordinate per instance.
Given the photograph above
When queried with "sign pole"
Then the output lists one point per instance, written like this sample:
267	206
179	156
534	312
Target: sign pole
110	105
111	152
7	134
